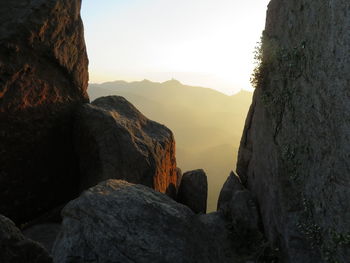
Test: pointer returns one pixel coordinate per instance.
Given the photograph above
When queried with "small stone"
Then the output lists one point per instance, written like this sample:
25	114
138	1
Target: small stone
193	191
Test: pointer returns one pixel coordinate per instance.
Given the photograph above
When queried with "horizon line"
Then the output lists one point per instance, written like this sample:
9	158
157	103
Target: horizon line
173	79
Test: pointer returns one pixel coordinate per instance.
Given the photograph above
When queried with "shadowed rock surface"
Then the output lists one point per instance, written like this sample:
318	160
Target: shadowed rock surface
45	234
15	248
193	191
237	204
230	187
114	140
244	216
179	177
294	153
43	76
116	221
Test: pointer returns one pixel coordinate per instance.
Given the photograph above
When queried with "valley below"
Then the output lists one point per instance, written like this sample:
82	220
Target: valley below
207	124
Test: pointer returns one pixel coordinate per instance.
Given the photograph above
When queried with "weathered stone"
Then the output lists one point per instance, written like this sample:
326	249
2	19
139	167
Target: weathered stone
115	141
43	76
116	221
244	213
15	248
294	153
231	186
193	190
223	239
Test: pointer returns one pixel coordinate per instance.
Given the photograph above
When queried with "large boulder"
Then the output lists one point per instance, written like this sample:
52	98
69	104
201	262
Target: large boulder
116	221
15	248
43	76
114	140
193	190
294	153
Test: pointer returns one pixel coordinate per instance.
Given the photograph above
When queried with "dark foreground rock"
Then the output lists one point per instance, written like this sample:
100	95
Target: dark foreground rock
114	140
15	248
43	77
237	204
231	186
116	221
245	221
294	153
193	191
44	234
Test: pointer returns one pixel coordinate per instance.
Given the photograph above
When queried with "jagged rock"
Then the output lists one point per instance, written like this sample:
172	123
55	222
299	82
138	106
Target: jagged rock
294	153
43	76
238	206
231	186
116	221
15	248
44	234
114	140
193	190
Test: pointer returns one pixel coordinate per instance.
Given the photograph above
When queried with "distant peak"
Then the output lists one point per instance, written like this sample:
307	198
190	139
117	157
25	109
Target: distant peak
172	82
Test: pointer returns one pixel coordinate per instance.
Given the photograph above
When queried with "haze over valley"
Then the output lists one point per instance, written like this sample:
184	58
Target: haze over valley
207	124
90	172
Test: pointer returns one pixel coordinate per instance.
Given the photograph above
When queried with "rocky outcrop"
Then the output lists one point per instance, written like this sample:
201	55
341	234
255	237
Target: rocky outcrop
15	248
244	216
295	147
232	185
114	140
43	76
193	191
116	221
237	204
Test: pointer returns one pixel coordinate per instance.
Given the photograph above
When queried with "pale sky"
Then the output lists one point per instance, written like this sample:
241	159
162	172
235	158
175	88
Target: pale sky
206	43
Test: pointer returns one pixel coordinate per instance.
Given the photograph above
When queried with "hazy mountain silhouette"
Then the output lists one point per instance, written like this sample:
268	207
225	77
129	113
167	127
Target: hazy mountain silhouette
207	124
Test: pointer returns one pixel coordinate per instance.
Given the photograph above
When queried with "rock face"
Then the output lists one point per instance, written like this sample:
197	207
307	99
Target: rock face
116	221
15	248
244	214
239	207
294	153
44	234
43	76
193	191
114	140
231	186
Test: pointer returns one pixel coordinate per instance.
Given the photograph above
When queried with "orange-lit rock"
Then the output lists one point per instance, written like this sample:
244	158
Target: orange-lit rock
43	77
113	140
43	57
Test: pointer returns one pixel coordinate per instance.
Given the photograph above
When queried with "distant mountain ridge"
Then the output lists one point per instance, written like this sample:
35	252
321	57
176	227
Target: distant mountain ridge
207	123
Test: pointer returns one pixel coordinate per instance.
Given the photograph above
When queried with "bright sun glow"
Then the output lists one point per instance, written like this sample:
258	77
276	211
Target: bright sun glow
199	42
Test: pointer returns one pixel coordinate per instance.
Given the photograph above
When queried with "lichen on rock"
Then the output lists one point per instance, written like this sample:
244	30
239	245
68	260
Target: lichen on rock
294	151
